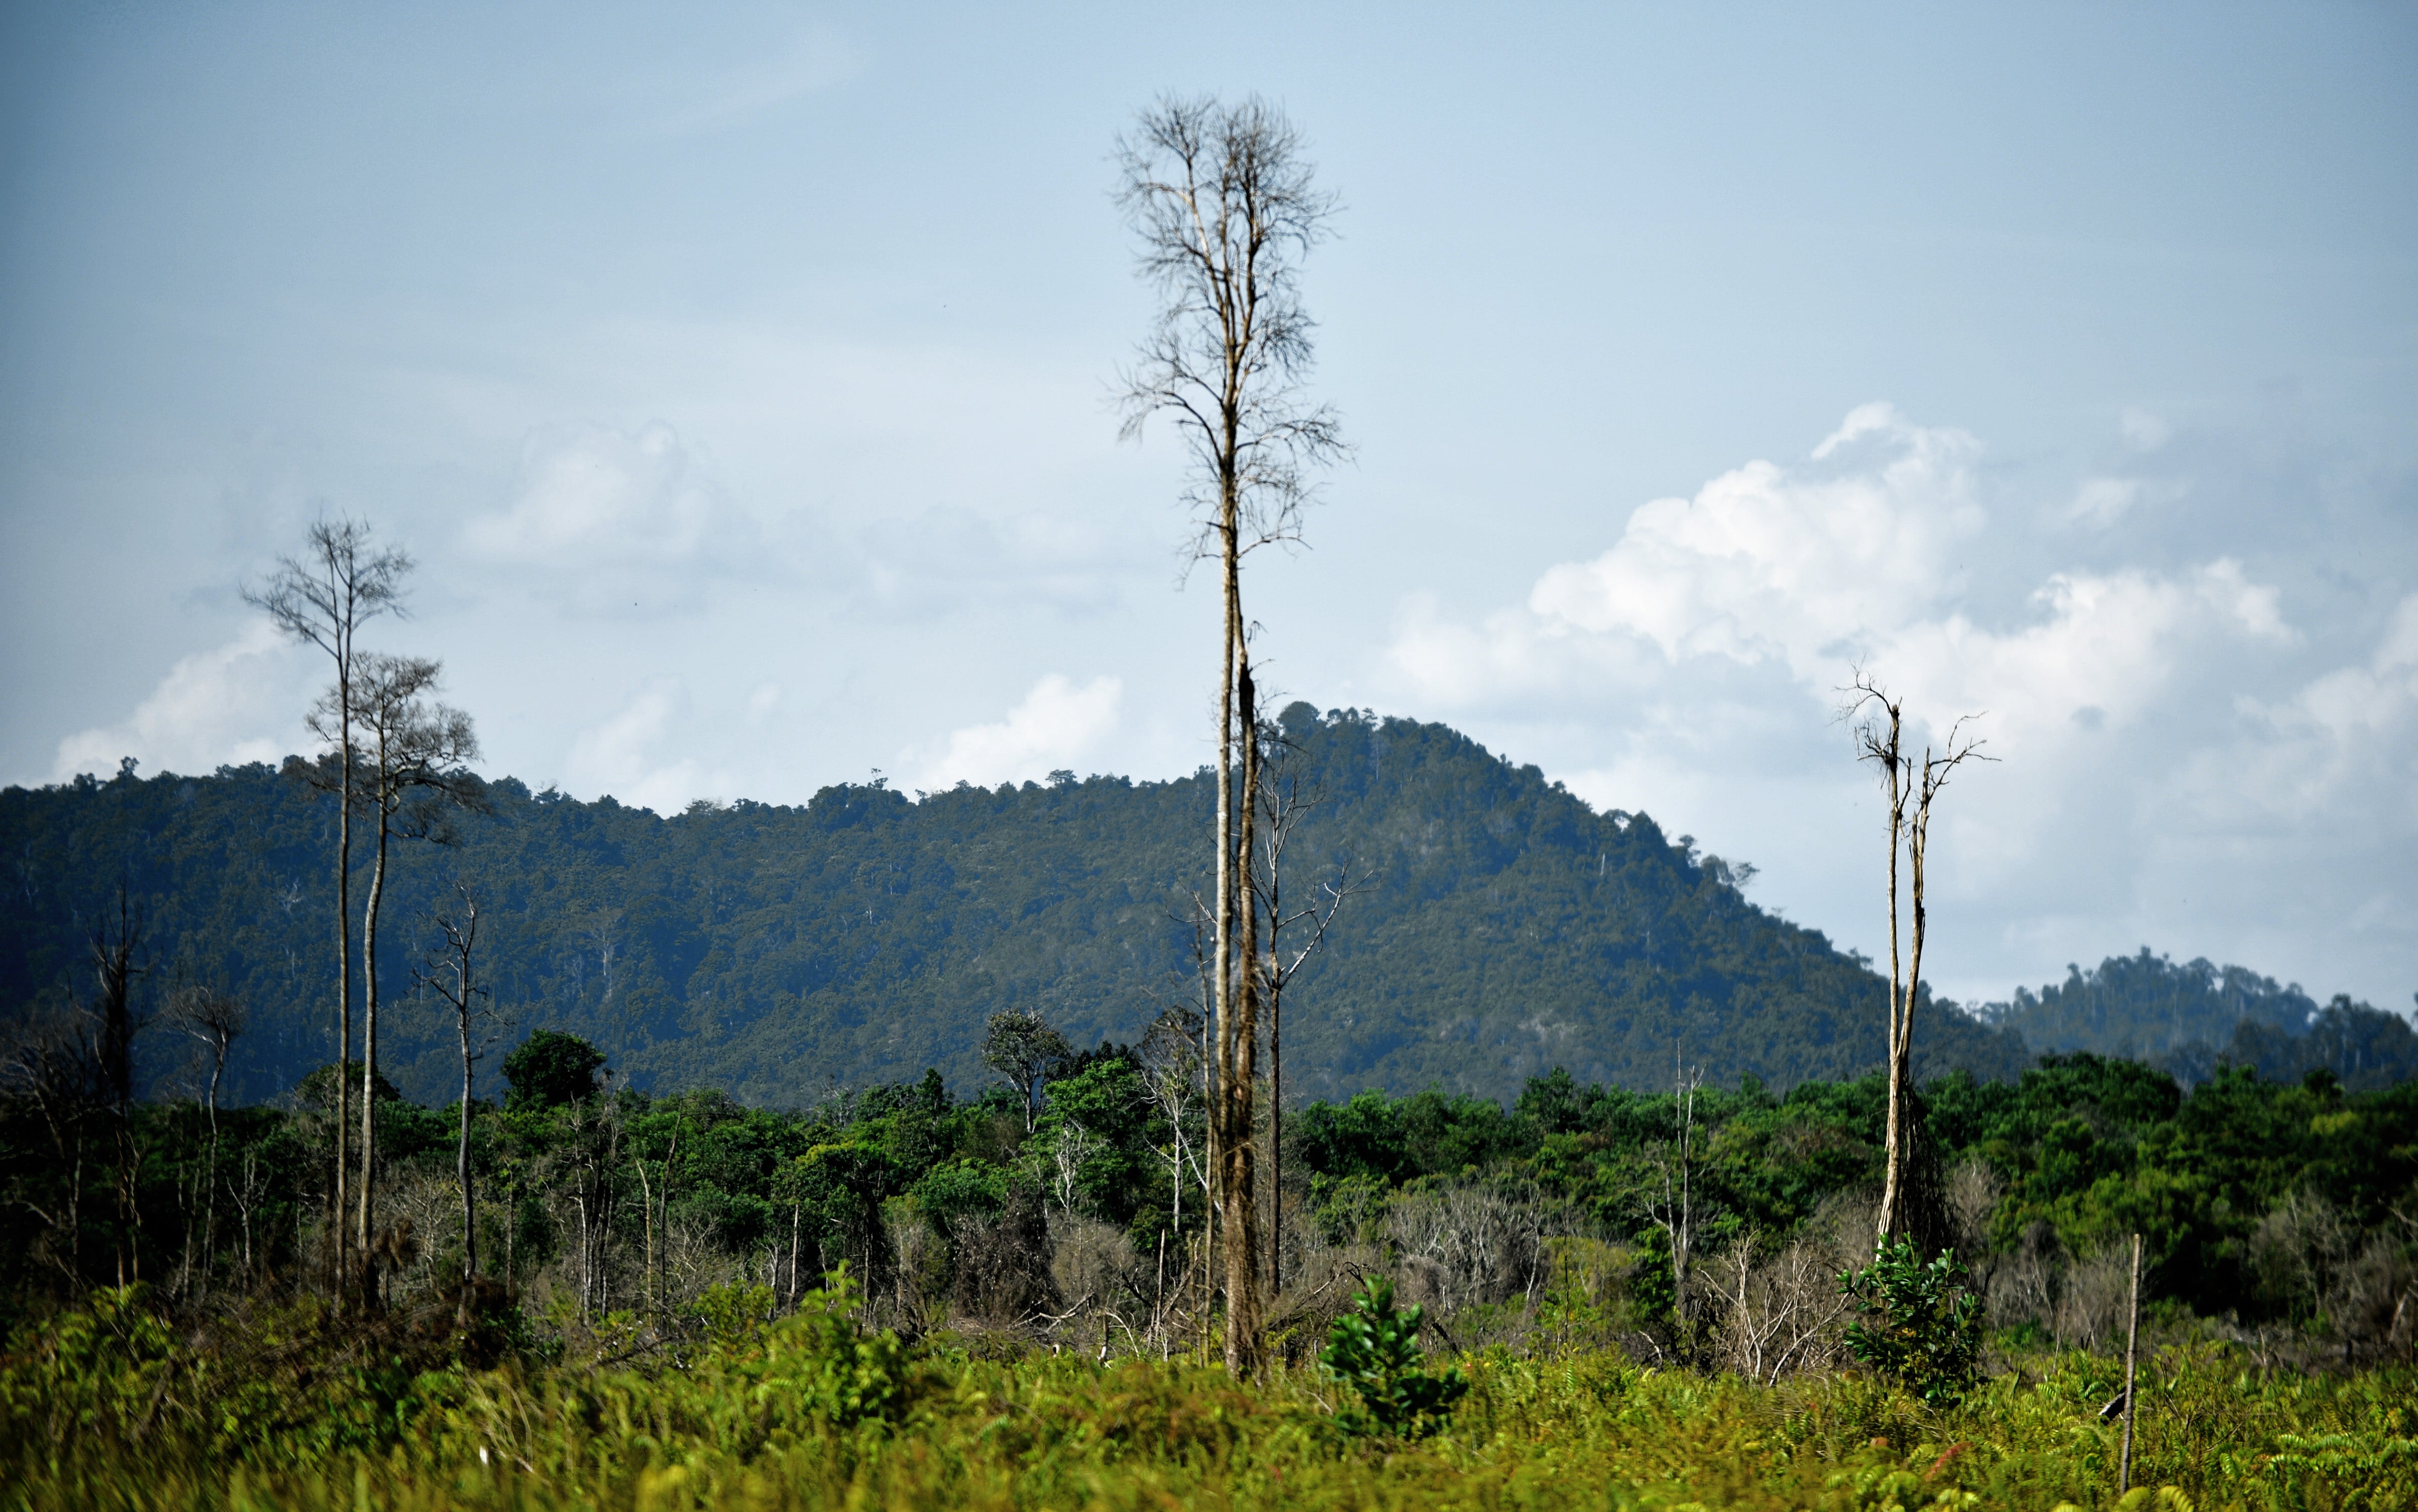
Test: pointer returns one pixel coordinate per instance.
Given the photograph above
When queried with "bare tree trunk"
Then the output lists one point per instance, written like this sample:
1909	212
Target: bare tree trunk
1225	206
210	1202
462	1171
2132	1343
1882	741
114	960
1275	1131
1241	1049
370	1026
343	954
1892	1216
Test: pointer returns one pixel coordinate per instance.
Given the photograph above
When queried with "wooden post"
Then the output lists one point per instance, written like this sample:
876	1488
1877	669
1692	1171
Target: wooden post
2131	1341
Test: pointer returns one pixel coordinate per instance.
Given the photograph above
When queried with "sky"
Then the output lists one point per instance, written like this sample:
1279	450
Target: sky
740	378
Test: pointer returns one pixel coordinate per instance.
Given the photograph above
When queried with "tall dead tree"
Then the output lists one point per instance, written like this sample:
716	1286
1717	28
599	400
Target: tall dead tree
451	970
322	597
1222	200
1675	1163
412	768
117	945
213	1019
1911	787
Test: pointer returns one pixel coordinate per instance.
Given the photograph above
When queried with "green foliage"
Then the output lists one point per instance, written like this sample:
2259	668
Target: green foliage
821	1360
813	1413
551	1069
1375	1350
1921	1328
865	936
733	1313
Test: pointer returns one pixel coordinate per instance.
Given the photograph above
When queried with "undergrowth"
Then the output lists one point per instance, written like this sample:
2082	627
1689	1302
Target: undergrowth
107	1408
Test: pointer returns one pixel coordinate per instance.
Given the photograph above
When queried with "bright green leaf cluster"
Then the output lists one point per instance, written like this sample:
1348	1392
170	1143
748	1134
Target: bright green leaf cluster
1922	1329
1375	1350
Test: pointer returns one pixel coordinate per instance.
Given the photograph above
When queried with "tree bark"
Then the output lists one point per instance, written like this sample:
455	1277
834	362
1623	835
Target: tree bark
369	1021
1241	1046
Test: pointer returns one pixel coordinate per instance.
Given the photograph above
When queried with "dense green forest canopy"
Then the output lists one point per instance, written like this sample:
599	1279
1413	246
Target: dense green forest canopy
2191	1019
1502	928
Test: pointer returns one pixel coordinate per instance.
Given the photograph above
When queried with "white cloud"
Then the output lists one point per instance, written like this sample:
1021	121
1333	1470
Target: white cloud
2345	740
1854	558
2165	749
623	754
617	518
1055	726
1808	564
238	703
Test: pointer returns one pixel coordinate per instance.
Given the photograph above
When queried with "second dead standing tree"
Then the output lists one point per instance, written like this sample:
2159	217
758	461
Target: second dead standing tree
1223	202
1880	739
413	767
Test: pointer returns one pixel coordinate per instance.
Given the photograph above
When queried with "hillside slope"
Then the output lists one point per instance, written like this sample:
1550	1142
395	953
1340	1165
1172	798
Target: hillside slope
2189	1018
774	952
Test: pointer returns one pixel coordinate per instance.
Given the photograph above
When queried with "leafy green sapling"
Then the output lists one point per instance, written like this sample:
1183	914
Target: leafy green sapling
1375	1350
1921	1327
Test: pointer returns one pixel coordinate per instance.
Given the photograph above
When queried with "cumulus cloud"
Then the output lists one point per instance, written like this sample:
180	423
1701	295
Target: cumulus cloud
236	703
1057	724
1854	558
1804	564
2156	727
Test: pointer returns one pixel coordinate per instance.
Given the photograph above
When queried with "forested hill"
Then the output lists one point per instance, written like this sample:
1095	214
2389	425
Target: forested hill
2190	1018
1504	928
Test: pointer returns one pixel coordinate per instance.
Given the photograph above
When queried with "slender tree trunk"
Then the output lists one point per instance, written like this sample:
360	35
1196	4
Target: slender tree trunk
462	1155
2132	1342
1242	1049
647	1211
369	1023
1900	1128
343	949
210	1203
1891	1218
1276	1116
1221	955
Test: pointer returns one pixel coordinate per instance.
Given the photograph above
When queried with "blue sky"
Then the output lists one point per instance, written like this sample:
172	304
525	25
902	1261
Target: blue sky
739	375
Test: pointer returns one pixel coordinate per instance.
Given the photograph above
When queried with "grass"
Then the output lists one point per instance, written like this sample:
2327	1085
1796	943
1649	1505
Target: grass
808	1415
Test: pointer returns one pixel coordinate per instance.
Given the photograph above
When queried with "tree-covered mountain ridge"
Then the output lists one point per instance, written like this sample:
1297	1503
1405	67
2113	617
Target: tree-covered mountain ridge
1500	927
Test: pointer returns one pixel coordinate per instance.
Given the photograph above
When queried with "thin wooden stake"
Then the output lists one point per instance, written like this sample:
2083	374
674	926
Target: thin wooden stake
2131	1341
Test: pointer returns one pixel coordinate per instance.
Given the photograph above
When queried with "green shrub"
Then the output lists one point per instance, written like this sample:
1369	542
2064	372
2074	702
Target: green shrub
1375	1350
733	1314
1922	1329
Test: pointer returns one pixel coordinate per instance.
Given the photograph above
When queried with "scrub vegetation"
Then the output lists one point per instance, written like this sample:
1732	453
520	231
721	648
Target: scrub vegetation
905	1296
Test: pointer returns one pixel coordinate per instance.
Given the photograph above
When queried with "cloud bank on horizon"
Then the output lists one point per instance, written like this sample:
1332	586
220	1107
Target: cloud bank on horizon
2165	742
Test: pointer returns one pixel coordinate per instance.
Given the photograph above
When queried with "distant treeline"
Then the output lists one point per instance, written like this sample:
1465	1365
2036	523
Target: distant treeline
2193	1018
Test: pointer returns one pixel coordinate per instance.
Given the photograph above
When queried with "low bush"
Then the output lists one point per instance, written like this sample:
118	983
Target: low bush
1921	1328
1375	1350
